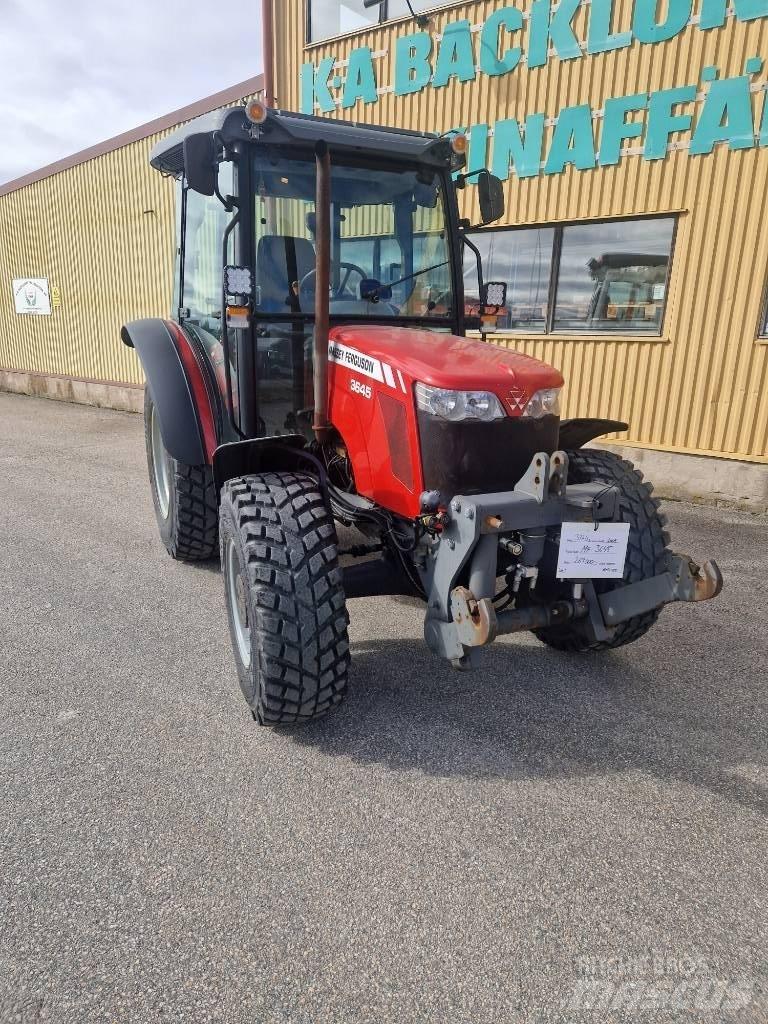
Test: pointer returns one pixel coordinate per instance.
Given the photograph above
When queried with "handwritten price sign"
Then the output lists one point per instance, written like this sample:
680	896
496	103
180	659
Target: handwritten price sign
588	553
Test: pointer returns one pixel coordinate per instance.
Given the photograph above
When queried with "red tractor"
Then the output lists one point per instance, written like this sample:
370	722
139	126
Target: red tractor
316	371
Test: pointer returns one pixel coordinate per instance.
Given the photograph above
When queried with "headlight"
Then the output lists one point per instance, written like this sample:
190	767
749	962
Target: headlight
459	405
543	403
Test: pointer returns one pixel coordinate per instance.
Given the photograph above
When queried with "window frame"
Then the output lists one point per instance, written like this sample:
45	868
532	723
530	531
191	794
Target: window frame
384	17
762	323
554	274
453	321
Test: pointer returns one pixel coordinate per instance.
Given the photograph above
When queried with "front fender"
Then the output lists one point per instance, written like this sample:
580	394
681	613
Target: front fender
169	387
286	453
575	433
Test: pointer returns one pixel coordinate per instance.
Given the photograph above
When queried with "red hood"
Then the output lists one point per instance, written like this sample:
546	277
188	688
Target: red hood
447	361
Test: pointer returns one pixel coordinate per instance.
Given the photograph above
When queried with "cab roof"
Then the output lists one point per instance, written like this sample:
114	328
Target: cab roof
305	131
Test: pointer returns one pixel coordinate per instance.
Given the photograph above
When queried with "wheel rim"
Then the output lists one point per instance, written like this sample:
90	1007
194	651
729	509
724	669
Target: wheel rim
238	604
160	467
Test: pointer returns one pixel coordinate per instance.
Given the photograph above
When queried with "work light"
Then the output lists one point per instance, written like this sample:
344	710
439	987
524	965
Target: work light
495	293
238	281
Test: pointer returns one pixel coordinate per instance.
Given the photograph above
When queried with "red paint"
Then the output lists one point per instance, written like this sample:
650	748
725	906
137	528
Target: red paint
441	360
447	361
199	387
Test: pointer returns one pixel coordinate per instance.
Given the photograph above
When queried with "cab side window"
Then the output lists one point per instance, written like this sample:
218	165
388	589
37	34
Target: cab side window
205	223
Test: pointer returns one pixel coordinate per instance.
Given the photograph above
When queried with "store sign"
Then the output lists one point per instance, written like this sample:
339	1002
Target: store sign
31	296
699	114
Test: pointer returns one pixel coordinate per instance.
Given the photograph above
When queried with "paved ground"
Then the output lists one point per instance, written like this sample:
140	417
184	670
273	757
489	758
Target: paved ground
448	848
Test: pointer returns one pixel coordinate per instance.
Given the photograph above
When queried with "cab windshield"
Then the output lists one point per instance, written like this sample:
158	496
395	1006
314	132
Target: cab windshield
390	253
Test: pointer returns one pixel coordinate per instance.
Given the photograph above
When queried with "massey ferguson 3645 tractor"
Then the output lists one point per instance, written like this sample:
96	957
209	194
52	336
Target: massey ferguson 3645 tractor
317	372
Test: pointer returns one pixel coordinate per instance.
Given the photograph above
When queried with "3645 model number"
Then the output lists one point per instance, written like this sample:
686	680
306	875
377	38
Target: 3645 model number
364	390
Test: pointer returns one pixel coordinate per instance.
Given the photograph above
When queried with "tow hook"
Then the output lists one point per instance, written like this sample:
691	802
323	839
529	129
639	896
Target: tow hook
683	580
475	620
477	623
694	583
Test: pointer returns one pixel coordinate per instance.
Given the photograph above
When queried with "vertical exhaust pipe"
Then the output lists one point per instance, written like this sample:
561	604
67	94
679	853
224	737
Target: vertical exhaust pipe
320	424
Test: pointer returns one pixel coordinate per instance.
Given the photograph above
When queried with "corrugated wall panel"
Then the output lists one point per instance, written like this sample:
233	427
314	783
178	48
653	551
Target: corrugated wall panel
703	386
103	233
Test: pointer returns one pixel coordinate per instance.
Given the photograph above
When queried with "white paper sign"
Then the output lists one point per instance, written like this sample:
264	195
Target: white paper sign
588	553
31	296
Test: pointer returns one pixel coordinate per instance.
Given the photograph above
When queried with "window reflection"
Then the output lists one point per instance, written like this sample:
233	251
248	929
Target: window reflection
335	17
609	276
328	18
613	277
522	258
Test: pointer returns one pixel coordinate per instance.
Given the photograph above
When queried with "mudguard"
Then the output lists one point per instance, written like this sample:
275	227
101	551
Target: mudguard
265	454
575	433
169	387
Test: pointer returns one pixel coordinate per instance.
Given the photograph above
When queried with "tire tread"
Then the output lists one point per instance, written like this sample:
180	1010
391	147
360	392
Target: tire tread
196	532
646	551
301	618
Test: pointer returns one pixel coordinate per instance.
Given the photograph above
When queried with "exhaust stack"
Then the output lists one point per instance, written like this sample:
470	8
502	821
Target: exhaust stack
320	423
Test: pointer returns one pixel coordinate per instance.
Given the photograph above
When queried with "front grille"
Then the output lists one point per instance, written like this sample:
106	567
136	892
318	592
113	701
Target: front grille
472	457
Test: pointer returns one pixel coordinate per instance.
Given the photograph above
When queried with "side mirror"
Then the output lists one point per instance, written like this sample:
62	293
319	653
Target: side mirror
200	167
491	196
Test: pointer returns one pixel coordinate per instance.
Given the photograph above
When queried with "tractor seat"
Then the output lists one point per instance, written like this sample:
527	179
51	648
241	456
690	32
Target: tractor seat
280	261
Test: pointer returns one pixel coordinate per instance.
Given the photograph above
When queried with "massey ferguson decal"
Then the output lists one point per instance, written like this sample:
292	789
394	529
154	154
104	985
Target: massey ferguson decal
354	360
367	365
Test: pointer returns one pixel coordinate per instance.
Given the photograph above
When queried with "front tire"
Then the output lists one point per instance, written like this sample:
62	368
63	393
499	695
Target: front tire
646	553
285	600
184	497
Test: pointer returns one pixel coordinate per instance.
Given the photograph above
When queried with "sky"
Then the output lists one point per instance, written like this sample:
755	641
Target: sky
76	72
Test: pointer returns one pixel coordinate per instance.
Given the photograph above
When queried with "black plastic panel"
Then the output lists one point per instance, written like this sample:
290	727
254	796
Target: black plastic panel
477	458
169	388
577	432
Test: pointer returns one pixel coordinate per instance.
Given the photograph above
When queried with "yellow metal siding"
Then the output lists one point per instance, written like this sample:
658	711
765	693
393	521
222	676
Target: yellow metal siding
103	233
703	386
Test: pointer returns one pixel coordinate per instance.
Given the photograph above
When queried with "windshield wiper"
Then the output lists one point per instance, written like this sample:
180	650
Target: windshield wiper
375	294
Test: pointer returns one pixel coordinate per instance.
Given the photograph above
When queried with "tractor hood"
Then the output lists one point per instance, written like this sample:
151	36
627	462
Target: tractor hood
448	361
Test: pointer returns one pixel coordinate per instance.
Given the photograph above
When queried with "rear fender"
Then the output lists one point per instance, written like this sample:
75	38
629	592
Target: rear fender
178	388
577	432
264	455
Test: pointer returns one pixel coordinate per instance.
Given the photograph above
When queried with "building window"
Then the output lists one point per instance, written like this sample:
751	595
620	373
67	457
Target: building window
329	18
523	258
763	333
606	277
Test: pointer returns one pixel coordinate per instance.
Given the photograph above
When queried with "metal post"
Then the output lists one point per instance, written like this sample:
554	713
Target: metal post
268	44
322	288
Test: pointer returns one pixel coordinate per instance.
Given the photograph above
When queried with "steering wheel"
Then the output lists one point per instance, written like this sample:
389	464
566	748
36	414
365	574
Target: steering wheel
351	268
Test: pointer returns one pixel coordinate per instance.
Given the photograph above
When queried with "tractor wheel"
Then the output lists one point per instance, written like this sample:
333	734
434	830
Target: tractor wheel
646	553
285	600
184	497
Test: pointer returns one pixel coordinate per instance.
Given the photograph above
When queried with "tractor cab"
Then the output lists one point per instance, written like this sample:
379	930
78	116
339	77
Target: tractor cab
390	254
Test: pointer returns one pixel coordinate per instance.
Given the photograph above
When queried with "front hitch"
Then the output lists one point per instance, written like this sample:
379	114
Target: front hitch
462	618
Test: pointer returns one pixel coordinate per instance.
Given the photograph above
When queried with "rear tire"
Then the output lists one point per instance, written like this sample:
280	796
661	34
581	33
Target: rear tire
646	553
184	497
285	600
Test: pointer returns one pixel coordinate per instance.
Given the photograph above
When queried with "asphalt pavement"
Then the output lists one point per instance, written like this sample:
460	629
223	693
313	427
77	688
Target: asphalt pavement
548	838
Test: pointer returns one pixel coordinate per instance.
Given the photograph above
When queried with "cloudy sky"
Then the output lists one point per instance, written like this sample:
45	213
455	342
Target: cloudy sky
76	72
